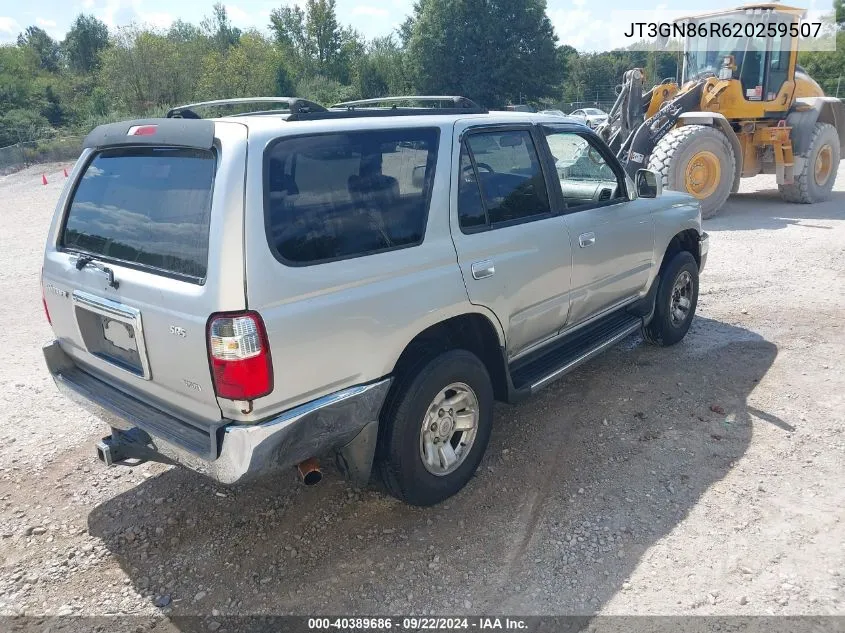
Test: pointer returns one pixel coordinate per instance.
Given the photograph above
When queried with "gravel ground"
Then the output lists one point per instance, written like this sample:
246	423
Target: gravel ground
702	479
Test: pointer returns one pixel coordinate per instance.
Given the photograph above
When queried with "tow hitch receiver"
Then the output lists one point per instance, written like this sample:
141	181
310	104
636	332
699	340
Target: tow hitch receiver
128	448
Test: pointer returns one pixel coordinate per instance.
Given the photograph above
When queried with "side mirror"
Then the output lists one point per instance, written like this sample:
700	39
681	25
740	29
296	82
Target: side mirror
649	183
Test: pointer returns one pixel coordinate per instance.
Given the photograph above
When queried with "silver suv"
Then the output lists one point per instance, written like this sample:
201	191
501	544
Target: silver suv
246	293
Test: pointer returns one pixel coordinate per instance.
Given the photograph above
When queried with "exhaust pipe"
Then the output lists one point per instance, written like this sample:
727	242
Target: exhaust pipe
309	472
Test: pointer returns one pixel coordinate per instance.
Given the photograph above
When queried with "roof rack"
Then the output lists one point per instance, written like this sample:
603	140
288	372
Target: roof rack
450	102
295	105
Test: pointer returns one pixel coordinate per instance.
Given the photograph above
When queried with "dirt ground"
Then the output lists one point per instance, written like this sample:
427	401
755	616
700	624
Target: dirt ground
706	478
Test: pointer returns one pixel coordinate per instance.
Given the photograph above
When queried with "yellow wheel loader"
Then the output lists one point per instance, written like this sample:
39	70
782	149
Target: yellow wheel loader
743	107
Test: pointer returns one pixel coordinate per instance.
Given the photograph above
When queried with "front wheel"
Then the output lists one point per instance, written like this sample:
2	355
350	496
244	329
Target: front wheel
675	302
437	424
699	160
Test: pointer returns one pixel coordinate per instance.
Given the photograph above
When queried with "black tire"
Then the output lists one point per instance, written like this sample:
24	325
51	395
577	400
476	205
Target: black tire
805	189
400	463
662	330
675	151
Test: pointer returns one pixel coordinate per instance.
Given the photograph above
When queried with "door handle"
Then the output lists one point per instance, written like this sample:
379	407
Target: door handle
483	269
586	239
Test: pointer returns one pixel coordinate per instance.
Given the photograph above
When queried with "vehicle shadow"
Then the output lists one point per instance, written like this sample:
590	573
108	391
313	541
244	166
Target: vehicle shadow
577	483
765	209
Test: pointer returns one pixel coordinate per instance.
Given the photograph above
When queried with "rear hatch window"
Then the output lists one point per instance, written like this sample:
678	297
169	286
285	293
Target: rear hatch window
145	207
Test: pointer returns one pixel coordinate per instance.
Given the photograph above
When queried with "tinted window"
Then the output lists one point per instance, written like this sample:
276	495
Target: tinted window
334	196
145	206
585	176
509	174
471	211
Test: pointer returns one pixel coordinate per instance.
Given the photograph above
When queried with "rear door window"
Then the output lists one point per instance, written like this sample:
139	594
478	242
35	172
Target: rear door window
148	207
336	196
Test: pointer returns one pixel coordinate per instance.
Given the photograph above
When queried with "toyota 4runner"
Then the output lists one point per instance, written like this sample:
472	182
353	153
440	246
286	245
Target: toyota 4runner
246	293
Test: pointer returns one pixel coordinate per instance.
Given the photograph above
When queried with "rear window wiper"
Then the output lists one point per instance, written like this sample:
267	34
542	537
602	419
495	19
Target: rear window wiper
86	260
82	261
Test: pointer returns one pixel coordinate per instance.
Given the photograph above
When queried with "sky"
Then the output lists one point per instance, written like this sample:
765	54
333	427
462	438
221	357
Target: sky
588	25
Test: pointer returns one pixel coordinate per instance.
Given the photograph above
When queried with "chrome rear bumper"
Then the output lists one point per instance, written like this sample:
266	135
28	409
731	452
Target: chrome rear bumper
241	451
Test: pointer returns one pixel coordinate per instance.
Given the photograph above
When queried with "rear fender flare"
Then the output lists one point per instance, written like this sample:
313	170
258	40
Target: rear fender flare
806	113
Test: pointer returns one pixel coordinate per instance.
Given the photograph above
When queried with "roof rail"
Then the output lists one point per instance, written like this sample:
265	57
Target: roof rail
438	101
295	105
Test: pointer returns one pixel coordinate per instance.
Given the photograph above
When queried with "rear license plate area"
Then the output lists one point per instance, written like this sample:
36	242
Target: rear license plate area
112	332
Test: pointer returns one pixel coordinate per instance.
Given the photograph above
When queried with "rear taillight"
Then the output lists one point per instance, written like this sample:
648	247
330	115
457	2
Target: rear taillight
44	299
239	356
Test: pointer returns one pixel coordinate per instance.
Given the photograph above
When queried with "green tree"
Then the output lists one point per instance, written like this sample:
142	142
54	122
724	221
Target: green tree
827	67
186	33
22	125
52	109
19	99
323	90
565	55
44	47
145	69
83	43
495	51
252	68
380	70
315	42
220	30
592	77
323	31
287	24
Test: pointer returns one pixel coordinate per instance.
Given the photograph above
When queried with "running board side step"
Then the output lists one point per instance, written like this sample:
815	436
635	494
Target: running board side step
547	365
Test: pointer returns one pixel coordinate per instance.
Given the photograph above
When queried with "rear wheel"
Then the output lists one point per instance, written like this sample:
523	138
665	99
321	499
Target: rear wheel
699	160
437	424
821	163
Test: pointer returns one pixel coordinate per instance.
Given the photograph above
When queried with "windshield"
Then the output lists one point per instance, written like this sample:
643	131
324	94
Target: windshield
704	55
593	111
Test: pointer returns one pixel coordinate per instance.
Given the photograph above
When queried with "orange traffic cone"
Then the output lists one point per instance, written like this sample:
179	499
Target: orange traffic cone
65	171
43	179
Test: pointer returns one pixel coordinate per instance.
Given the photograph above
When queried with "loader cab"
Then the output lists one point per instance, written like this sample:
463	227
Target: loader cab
759	53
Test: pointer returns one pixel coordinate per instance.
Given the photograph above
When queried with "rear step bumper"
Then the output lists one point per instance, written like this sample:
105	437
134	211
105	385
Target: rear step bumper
246	451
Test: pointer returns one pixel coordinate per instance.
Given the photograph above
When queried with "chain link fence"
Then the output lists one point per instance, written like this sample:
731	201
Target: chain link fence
21	155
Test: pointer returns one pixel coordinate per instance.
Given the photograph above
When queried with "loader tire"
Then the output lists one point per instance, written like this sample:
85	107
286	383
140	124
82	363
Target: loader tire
698	160
821	163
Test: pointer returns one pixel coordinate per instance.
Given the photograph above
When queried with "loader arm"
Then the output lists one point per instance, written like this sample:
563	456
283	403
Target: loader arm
628	111
635	150
628	133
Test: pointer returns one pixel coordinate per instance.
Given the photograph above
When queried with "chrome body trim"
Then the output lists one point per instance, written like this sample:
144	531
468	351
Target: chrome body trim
118	312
